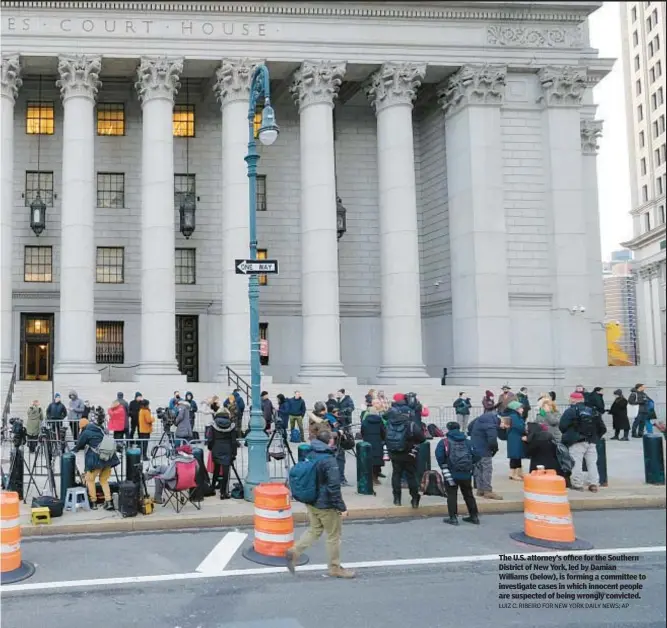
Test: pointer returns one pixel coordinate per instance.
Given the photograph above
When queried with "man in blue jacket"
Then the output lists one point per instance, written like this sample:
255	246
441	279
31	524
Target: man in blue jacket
297	410
326	514
483	432
456	458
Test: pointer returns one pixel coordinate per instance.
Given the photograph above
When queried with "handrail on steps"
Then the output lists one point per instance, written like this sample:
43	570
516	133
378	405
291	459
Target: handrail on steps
234	379
8	400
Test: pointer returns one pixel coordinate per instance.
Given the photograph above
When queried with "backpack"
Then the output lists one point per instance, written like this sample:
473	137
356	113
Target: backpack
397	436
459	456
411	400
432	484
565	460
295	436
106	449
585	421
302	481
434	431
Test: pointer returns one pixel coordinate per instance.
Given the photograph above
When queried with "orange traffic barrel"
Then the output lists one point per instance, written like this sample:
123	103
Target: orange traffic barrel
13	568
274	527
547	518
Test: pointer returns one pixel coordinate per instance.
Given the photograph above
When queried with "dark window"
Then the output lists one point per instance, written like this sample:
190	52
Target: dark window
39	118
110	264
110	119
637	65
642	165
638	87
38	264
656	43
110	342
658	183
264	344
184	183
184	121
110	190
262	254
261	192
634	14
649	24
642	139
654	15
650	48
661	123
647	222
644	193
640	113
661	214
186	266
635	38
41	182
655	129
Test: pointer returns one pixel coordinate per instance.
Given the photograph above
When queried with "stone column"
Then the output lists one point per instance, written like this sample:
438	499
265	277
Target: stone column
645	318
10	82
78	85
233	89
314	88
392	91
471	100
656	314
562	93
591	130
157	84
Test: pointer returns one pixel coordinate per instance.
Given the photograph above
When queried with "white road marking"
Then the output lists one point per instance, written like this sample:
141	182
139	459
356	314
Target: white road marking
222	553
260	571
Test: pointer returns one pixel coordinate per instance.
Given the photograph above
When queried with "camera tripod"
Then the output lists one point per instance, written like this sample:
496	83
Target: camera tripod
283	445
19	465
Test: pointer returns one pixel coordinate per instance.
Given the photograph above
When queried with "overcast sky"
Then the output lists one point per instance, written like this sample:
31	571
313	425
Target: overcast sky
613	168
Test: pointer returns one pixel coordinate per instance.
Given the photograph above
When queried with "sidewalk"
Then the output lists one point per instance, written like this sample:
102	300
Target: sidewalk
626	490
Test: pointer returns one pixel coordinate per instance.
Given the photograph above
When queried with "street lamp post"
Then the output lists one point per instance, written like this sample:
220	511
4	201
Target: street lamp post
257	440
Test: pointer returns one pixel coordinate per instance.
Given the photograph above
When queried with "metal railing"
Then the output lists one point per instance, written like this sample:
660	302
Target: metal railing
235	380
8	401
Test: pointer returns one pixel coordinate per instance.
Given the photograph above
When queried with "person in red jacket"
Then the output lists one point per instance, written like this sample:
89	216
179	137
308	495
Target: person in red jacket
116	424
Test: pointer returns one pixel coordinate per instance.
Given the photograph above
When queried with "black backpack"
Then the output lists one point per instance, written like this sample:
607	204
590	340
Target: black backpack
398	430
585	422
459	456
432	484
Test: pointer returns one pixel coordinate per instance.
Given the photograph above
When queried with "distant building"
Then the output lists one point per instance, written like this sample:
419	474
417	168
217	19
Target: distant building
620	304
643	28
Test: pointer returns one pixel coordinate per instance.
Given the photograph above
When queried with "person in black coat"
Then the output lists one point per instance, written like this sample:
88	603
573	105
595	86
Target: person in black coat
133	409
374	432
221	438
595	400
619	413
540	447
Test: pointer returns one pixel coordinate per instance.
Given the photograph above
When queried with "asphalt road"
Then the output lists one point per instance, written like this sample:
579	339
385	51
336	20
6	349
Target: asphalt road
463	589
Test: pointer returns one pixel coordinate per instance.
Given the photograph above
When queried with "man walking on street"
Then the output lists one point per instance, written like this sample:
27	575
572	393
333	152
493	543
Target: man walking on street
483	432
327	513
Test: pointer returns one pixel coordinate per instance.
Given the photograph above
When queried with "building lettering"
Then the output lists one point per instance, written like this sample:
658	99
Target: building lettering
181	28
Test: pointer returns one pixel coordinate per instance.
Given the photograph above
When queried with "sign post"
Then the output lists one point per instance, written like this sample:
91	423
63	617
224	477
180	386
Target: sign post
256	267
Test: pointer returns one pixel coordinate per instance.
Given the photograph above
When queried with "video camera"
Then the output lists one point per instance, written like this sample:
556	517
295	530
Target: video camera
18	432
167	417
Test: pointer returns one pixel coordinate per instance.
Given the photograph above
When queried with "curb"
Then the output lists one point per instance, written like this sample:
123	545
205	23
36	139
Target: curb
150	523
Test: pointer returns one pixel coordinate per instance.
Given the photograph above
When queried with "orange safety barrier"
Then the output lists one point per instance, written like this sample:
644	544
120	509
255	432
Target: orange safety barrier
274	526
12	567
547	518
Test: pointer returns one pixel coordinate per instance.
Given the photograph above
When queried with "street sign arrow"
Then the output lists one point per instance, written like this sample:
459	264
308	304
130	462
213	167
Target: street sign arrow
256	267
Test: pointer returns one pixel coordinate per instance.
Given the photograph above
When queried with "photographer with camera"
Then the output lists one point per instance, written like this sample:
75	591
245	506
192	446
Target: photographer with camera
34	424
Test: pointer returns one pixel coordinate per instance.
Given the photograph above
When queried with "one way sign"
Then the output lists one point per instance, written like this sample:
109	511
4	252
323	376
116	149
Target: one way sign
256	267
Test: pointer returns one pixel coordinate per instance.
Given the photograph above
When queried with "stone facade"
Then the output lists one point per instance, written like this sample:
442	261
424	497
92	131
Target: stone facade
464	158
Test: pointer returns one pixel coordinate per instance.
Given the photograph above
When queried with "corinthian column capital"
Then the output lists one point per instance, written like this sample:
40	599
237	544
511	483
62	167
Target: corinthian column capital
562	86
79	75
10	77
233	80
591	131
395	84
317	82
158	77
473	85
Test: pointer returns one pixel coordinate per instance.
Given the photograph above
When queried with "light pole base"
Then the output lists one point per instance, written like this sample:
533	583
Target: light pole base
271	561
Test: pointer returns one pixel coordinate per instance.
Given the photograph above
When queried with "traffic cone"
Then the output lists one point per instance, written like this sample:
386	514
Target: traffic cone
12	567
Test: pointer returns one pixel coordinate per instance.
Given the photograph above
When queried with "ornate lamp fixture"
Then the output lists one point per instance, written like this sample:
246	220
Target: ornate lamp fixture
38	206
188	204
341	218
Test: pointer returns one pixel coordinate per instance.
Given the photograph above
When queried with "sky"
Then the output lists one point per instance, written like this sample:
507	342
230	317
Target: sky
613	167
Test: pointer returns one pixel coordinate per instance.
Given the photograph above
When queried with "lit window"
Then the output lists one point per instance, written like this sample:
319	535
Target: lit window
37	327
110	119
184	121
257	123
110	190
38	264
262	254
110	264
185	266
110	344
184	183
39	118
41	182
261	192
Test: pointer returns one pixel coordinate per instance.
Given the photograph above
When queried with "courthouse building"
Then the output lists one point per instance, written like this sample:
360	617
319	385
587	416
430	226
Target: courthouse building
459	138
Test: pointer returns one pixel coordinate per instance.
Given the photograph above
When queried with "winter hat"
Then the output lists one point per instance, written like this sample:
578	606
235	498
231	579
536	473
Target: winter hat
618	392
57	396
577	397
137	394
506	387
119	395
453	425
489	393
319	407
399	397
514	405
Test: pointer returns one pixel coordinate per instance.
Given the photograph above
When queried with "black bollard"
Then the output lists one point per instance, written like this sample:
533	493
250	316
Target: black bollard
302	451
132	459
16	466
67	473
423	459
602	461
364	468
198	494
654	463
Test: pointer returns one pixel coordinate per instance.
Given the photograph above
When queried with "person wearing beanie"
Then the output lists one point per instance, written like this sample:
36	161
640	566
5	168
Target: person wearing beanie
133	408
513	427
462	407
483	432
221	440
582	428
267	411
488	401
619	414
373	431
457	458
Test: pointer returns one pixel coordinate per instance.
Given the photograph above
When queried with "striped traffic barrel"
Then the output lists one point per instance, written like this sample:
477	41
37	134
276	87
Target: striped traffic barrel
547	518
12	567
274	526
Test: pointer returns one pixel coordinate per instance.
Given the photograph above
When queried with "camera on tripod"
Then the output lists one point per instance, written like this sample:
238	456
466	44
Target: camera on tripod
18	432
167	417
